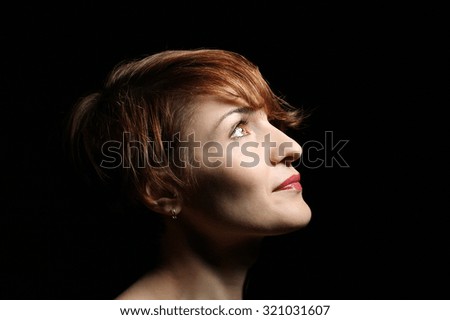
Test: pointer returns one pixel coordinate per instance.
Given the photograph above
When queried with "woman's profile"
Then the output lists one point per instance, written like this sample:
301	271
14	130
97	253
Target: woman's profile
197	137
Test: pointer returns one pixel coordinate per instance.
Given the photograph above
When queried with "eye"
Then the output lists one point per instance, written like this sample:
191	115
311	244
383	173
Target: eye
239	130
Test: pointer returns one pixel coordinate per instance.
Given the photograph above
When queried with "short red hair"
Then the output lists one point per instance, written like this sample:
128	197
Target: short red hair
150	99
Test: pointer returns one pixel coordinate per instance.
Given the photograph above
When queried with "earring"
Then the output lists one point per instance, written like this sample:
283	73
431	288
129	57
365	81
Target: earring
174	214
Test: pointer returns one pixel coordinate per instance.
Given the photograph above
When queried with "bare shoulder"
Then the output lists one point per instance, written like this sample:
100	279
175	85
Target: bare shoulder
150	287
136	293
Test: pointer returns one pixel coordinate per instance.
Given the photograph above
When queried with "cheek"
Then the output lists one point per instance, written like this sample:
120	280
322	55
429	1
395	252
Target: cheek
245	155
230	179
227	186
230	182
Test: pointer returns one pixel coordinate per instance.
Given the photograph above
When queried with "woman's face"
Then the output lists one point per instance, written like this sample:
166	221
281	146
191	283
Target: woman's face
240	162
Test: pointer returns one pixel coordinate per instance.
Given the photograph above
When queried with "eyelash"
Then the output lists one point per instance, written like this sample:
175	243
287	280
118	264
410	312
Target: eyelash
240	124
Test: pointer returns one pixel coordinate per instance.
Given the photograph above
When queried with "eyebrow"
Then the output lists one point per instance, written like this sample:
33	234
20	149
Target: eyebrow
243	109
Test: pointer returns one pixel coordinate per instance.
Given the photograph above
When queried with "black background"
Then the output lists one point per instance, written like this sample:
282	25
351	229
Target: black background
374	74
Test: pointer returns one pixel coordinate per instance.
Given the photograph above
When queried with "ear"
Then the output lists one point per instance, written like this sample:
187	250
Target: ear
165	205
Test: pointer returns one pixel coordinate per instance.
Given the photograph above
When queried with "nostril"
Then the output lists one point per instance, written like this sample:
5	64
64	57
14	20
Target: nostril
292	157
288	160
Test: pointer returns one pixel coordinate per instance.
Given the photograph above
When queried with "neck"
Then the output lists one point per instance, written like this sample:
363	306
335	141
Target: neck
199	267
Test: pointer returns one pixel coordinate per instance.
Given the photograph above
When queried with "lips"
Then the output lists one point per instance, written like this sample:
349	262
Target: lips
291	183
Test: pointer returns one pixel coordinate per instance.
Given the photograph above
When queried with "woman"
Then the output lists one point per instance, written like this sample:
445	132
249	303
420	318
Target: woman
195	136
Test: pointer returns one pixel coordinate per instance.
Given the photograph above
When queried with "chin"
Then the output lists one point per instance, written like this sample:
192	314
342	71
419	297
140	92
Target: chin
292	222
299	219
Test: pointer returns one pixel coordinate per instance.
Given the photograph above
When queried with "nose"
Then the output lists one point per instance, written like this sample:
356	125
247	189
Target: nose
284	149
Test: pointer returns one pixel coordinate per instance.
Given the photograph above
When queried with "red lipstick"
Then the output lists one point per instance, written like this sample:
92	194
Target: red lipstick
291	183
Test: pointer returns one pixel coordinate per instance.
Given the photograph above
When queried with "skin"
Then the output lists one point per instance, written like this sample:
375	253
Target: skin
216	237
237	201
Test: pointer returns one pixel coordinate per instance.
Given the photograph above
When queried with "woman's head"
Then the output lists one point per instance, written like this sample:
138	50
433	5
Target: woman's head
145	131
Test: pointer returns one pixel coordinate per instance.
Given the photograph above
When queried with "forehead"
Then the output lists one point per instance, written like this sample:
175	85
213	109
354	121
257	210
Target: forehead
212	108
207	112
